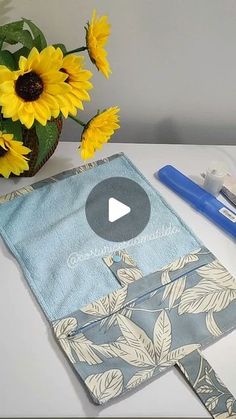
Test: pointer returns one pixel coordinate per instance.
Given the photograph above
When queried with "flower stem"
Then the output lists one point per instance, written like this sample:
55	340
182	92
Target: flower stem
77	120
76	50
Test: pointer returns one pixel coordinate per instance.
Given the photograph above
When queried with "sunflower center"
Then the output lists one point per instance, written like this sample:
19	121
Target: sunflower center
3	151
64	71
29	86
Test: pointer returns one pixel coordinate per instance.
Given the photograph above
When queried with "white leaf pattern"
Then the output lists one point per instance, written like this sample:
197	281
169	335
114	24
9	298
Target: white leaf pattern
127	258
174	266
83	348
162	335
211	324
205	296
128	275
204	389
107	305
225	415
181	262
215	291
218	273
137	339
212	402
174	290
108	261
95	309
177	354
63	327
117	299
106	385
229	404
165	278
139	377
207	377
15	194
106	349
137	357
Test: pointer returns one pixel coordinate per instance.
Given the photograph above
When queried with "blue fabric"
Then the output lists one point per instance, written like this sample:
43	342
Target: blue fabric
46	226
147	327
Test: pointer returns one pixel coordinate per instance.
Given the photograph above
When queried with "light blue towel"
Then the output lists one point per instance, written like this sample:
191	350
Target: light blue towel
46	227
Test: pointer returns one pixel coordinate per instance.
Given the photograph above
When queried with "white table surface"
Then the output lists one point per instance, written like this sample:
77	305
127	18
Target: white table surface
36	379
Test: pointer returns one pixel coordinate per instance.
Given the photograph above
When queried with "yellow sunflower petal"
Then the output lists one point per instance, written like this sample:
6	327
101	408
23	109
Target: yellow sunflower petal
97	34
6	74
98	131
26	119
40	71
77	80
12	155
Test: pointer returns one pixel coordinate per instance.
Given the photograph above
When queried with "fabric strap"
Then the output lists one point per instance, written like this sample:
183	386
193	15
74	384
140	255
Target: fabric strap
212	392
123	266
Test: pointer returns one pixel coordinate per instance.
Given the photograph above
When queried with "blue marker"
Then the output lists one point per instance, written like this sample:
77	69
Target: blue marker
200	199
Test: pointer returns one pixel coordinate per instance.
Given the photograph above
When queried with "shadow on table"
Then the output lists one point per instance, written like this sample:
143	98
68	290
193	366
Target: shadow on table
56	165
51	168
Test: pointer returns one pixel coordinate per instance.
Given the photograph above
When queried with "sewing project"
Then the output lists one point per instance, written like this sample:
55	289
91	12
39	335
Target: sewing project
123	311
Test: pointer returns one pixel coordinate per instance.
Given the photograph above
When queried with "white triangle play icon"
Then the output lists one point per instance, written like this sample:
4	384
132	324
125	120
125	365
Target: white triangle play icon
116	209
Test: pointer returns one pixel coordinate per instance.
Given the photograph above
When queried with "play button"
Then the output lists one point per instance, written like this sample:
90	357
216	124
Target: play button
117	209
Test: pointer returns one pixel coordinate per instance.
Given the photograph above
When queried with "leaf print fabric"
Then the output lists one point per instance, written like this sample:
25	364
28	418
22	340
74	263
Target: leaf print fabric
150	323
15	194
136	332
126	270
108	306
75	346
212	392
139	350
106	385
214	292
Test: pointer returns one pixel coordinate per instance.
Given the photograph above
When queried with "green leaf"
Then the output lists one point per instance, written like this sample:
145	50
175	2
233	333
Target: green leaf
23	37
7	59
11	27
62	46
37	43
22	51
38	35
47	136
1	43
12	127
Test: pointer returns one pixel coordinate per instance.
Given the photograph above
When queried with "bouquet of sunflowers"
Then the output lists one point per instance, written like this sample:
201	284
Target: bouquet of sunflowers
40	85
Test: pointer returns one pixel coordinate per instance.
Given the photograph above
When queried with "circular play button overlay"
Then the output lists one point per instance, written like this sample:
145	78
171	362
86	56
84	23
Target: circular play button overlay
117	209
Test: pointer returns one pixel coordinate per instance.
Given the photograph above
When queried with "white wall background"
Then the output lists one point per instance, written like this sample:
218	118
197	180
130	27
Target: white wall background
174	64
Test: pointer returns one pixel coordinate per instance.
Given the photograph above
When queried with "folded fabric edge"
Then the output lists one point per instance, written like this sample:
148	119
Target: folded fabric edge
55	178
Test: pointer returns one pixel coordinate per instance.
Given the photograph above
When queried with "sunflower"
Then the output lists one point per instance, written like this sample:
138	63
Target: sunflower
97	34
31	92
98	131
12	156
78	79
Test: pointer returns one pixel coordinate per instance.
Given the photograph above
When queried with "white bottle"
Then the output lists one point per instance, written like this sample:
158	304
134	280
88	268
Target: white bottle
215	176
